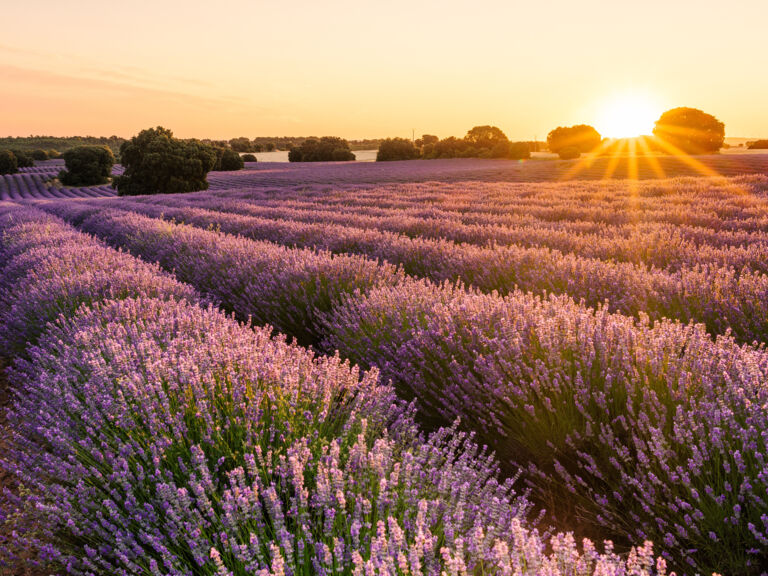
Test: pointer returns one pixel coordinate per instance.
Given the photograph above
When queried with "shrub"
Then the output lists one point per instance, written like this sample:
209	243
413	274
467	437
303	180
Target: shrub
87	166
249	158
227	160
156	162
583	137
53	154
690	130
396	149
757	145
39	154
325	149
24	159
519	150
569	153
8	162
150	432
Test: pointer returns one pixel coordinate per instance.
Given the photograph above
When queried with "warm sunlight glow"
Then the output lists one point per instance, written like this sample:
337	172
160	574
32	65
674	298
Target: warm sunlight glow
628	116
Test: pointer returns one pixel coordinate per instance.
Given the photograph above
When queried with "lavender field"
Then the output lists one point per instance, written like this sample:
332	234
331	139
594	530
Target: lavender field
400	368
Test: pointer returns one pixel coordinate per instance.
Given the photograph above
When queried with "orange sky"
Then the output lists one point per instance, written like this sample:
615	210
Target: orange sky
369	69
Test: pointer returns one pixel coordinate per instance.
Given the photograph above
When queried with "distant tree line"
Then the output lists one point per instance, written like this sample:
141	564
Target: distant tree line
757	145
479	142
272	143
56	144
182	165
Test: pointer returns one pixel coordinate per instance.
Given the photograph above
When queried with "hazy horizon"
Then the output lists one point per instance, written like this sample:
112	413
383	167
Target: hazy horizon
362	70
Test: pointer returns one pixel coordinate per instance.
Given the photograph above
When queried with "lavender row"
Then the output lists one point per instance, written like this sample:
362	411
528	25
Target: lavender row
50	269
155	436
623	419
483	225
288	288
722	298
491	171
638	430
661	246
737	203
36	187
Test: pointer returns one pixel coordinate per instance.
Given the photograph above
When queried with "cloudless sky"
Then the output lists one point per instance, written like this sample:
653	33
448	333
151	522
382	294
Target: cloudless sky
366	69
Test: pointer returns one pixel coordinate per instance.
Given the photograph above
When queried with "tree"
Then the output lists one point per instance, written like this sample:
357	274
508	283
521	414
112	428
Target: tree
249	158
582	136
519	150
226	160
39	154
426	140
241	144
8	162
325	149
690	130
569	153
87	166
488	137
23	159
156	162
450	147
396	149
757	145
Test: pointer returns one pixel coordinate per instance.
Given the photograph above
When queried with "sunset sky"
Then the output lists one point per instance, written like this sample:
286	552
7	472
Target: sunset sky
364	69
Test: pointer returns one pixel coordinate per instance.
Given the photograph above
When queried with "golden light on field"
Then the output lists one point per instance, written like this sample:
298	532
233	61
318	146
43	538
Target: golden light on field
628	116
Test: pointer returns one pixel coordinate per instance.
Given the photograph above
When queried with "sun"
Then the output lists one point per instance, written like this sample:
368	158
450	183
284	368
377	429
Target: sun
627	116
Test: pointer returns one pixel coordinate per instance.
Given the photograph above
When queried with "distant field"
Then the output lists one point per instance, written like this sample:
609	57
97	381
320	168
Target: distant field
32	183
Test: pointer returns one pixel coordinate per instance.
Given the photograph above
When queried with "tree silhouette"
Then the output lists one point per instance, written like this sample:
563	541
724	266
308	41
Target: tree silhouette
690	130
325	149
156	162
486	137
582	136
396	149
8	162
87	166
